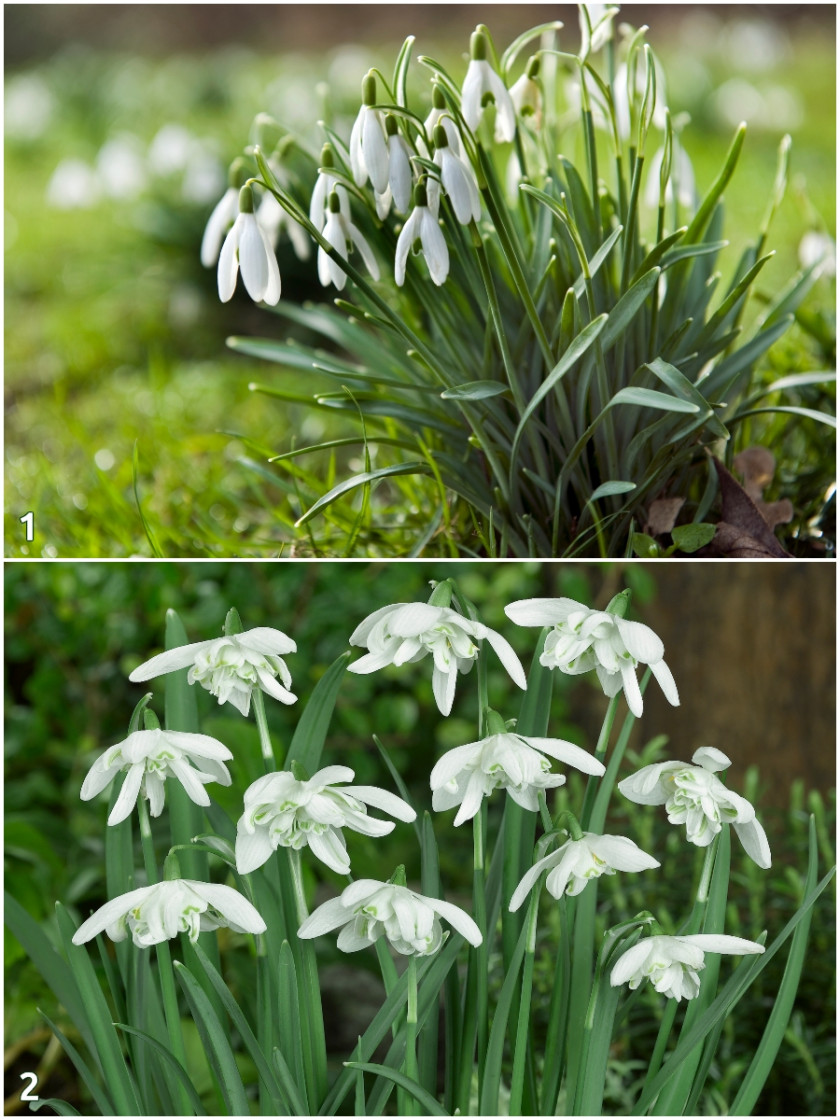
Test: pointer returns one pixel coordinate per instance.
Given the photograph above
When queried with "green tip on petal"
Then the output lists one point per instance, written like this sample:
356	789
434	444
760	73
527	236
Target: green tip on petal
246	200
619	603
478	45
369	88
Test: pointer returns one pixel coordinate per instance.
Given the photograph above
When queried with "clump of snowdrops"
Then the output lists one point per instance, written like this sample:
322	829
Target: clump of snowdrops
529	325
164	965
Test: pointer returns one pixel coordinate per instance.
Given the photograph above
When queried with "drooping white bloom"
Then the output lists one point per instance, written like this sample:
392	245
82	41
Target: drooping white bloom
224	214
341	233
600	21
696	797
458	180
584	639
406	632
230	667
162	911
481	85
526	95
440	115
368	150
367	909
283	811
574	863
248	249
325	184
421	231
673	964
466	775
148	758
400	175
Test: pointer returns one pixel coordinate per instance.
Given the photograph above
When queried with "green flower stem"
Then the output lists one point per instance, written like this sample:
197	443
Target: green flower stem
164	957
600	754
480	912
408	1102
258	703
521	1047
555	1043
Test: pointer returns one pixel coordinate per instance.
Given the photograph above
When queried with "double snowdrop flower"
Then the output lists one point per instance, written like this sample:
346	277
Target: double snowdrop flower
247	249
231	667
696	797
421	233
407	632
584	639
341	234
466	775
148	758
481	85
673	964
284	811
367	909
368	149
574	863
160	912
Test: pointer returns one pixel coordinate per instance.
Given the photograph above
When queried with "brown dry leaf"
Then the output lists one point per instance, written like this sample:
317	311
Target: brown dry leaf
742	530
757	465
662	515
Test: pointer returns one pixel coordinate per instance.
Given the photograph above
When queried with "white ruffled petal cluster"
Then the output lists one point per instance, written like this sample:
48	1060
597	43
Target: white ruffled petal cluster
283	811
231	667
574	863
583	639
464	776
367	909
673	964
148	758
405	632
160	912
694	796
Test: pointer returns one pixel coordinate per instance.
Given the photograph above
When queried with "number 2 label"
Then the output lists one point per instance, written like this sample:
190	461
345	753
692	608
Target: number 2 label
26	1095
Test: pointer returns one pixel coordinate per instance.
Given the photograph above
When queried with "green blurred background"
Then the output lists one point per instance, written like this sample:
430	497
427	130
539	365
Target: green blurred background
120	124
751	646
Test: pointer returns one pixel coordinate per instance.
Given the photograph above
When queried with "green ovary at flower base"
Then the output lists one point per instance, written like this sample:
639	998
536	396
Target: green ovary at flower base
231	667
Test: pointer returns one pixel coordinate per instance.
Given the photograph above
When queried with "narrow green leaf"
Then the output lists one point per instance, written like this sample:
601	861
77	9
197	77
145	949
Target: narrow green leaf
290	1085
311	731
61	1108
430	1105
685	252
679	384
808	413
474	391
488	1104
627	308
419	468
172	1062
609	489
214	1037
650	398
103	1103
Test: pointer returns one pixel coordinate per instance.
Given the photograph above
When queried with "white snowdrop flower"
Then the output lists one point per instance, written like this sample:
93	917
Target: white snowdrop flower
284	811
368	908
681	178
526	95
818	249
574	863
693	795
673	964
247	249
464	776
407	632
584	639
368	150
600	21
421	233
162	911
148	758
325	184
341	234
481	86
621	97
224	214
400	175
273	219
230	667
458	180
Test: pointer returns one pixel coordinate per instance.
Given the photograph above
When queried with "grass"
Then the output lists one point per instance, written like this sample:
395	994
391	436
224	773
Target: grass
115	337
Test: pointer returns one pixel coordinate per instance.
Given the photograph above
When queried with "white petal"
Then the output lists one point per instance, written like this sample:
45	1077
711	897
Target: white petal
357	162
529	879
434	247
471	92
228	265
224	214
253	259
399	174
754	838
109	913
371	662
252	850
204	746
630	964
365	249
168	662
375	150
443	686
272	290
721	943
639	641
450	765
457	918
329	849
665	679
357	893
504	651
360	634
186	775
473	796
644	787
327	917
128	794
632	693
568	753
711	759
273	688
387	802
407	237
233	907
620	853
541	612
